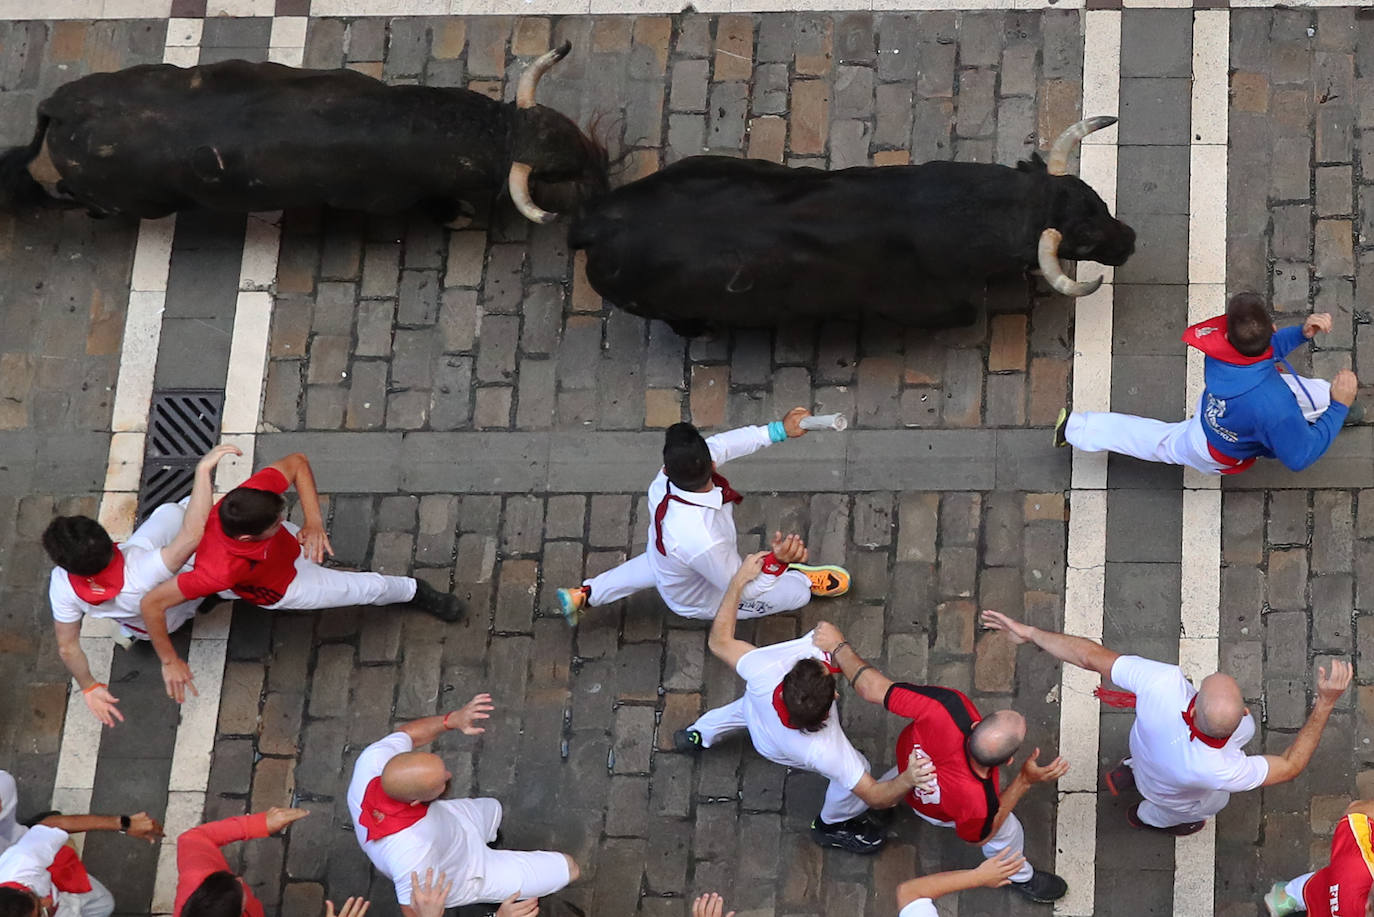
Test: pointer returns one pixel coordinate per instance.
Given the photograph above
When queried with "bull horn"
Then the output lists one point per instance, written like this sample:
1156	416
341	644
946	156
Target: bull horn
524	90
1072	136
1053	271
519	183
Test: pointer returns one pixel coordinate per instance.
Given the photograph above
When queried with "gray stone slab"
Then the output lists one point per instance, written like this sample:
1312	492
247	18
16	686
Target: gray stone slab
922	460
1148	319
606	462
342	462
1164	257
474	462
194	352
1152	179
1027	460
1144	525
1155	110
1157	43
1349	463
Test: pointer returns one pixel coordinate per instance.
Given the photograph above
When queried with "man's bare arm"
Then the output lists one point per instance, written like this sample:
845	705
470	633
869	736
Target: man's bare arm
1294	759
298	473
465	719
1030	774
183	545
1079	651
722	639
866	680
176	674
73	656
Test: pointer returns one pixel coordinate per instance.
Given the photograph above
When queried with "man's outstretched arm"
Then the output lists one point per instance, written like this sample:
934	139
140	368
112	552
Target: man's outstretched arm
1330	687
992	873
298	473
184	543
465	719
866	680
176	674
722	640
1030	774
1079	651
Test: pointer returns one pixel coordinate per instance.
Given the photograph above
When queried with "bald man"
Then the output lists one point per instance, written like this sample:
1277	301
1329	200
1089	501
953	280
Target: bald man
1185	745
405	828
967	749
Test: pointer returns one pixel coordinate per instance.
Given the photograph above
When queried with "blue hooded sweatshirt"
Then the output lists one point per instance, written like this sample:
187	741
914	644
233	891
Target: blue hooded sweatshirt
1247	408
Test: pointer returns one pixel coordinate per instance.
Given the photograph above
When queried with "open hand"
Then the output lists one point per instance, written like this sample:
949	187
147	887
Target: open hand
749	570
176	678
1034	773
353	907
1332	686
709	905
427	898
791	422
465	718
512	908
1015	630
102	704
997	871
278	817
210	460
314	542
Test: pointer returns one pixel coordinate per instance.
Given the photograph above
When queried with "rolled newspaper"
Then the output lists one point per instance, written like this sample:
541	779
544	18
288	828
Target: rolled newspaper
835	422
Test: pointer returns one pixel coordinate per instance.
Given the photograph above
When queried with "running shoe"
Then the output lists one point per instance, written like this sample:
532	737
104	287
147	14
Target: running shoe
827	580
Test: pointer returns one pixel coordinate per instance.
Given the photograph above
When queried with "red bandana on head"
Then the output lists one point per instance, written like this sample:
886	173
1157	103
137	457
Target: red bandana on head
1195	733
781	708
384	816
728	494
105	585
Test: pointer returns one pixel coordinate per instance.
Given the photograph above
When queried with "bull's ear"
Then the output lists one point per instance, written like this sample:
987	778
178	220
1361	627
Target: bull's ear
1034	164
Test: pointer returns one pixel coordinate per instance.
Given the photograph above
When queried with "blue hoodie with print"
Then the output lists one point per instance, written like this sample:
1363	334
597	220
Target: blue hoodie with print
1249	411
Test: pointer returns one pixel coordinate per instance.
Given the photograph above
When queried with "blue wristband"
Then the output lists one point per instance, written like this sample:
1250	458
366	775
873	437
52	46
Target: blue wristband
776	431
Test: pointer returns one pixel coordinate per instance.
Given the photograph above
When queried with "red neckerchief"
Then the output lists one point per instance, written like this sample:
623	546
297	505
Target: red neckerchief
728	494
1193	732
1210	338
781	708
105	585
384	816
68	872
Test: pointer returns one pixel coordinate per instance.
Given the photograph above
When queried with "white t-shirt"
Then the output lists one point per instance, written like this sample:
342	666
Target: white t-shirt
438	840
10	829
921	907
826	751
1173	770
27	861
143	570
699	536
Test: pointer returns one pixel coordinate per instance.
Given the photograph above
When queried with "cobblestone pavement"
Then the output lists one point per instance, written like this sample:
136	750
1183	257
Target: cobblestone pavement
389	336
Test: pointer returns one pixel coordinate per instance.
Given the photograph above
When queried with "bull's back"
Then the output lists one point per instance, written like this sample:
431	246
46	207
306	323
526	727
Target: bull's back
241	136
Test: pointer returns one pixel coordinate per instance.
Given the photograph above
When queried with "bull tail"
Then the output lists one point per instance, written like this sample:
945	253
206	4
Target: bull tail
18	190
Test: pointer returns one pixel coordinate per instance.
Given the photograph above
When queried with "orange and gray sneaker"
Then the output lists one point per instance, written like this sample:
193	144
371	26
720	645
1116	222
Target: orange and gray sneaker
827	580
571	603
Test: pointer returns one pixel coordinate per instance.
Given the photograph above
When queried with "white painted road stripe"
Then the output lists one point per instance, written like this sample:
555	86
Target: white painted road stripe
1084	578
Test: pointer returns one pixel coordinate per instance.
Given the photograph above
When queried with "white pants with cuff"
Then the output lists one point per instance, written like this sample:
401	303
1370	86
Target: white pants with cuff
840	802
1295	887
1180	443
502	873
1011	836
790	591
324	587
156	532
98	902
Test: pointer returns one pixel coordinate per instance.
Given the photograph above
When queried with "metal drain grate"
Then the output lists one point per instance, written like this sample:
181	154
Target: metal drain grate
182	426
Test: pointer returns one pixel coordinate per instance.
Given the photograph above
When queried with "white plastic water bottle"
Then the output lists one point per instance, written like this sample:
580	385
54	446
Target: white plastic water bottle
836	422
928	793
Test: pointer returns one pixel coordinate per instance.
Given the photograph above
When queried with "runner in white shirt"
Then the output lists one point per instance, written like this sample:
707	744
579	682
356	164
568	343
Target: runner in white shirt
404	827
788	708
94	576
1186	758
692	540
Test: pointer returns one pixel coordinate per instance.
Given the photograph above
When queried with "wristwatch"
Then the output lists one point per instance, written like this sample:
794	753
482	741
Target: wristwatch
124	823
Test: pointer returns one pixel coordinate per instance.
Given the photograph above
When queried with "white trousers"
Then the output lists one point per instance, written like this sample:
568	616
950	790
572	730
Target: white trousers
840	802
156	532
501	873
98	902
324	587
1296	886
1180	443
788	592
1011	836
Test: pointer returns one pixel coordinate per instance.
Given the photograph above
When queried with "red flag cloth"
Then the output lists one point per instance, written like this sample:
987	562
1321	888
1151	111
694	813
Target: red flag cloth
102	587
728	494
385	816
68	872
1124	699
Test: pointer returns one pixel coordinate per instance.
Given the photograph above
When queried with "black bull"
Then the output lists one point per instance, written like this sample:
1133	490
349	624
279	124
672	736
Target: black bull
238	136
721	241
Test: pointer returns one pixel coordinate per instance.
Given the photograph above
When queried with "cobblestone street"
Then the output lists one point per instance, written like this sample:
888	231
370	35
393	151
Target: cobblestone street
477	416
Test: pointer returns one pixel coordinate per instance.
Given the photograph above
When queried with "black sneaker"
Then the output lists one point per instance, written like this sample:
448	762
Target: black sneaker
879	818
1042	887
1120	779
687	740
443	605
855	835
1059	424
1182	830
208	604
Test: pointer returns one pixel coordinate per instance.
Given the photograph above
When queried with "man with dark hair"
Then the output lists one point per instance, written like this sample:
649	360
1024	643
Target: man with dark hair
788	708
1341	888
251	549
403	824
1186	743
1248	408
94	576
693	548
966	749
